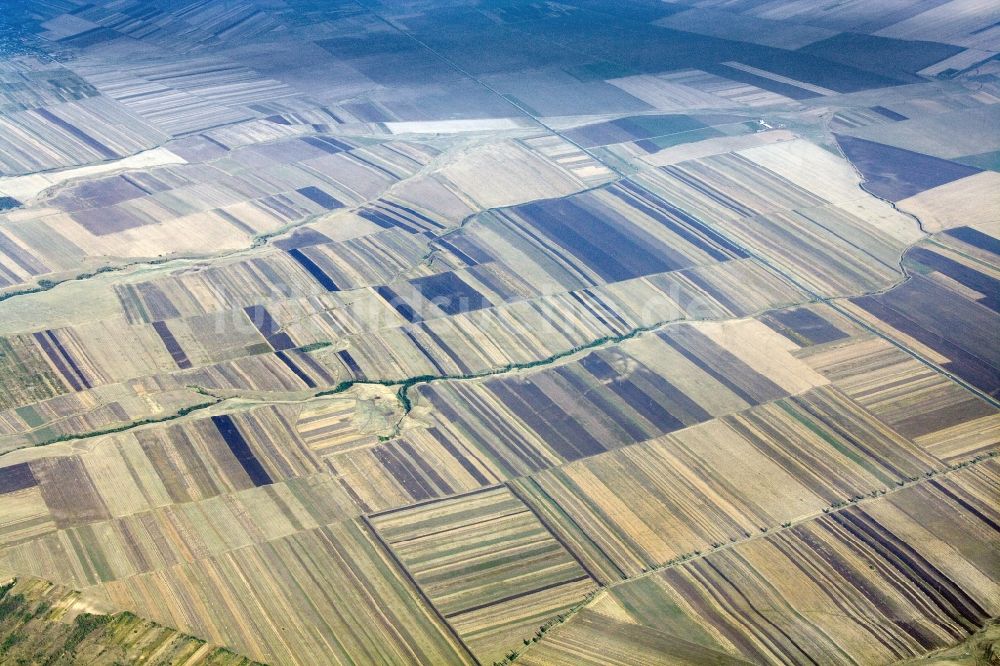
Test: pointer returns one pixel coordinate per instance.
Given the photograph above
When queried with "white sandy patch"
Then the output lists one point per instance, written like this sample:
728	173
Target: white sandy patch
505	174
821	172
970	201
779	78
454	126
715	146
764	350
25	188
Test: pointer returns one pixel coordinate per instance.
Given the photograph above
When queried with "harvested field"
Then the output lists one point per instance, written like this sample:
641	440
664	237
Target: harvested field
836	589
480	332
487	564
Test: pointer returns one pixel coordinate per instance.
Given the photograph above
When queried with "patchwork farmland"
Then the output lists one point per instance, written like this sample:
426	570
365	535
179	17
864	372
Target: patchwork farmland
517	332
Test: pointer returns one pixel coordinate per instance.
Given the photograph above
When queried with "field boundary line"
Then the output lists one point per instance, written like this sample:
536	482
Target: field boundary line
388	512
413	581
555	536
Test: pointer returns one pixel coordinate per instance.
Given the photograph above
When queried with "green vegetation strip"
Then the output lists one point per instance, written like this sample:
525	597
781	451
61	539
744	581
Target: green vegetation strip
184	411
45	285
406	384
